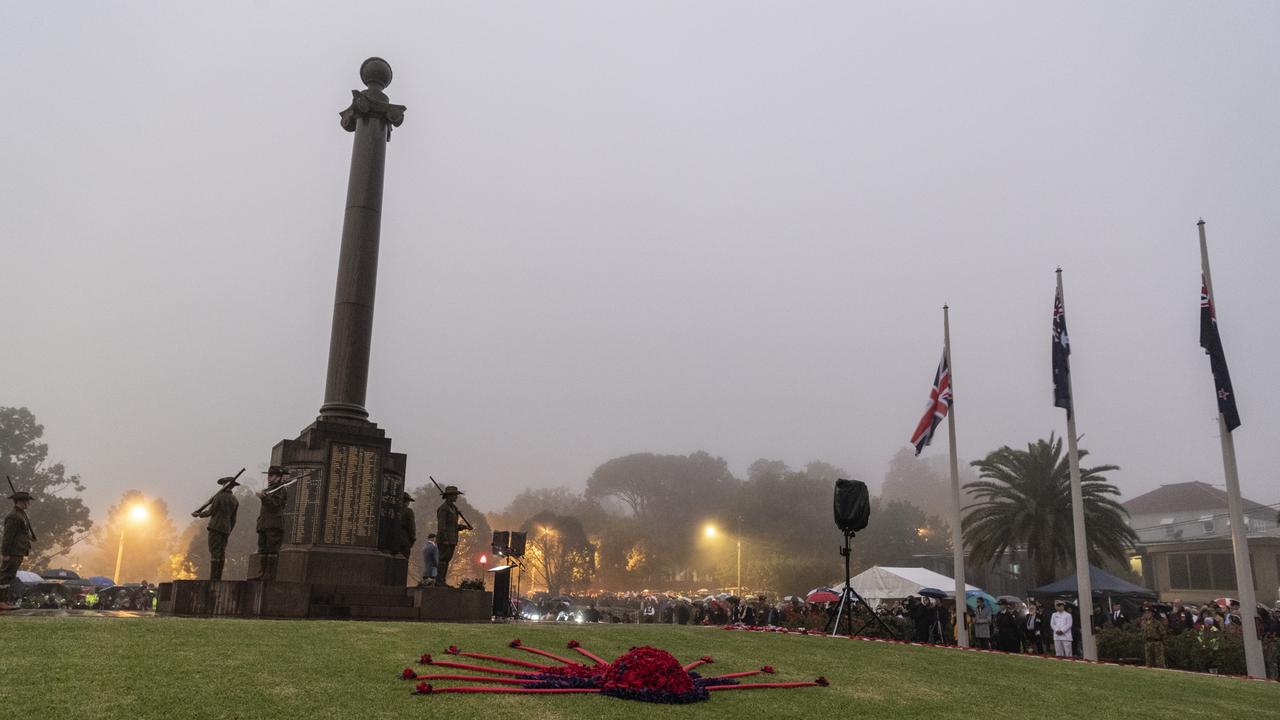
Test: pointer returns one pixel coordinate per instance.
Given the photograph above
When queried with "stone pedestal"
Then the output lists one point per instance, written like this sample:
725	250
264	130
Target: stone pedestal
341	516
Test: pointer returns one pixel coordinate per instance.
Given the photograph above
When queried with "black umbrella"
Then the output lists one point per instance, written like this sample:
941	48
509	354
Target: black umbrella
933	593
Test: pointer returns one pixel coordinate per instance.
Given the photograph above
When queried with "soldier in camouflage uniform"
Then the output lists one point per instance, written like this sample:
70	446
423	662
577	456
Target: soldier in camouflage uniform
1154	631
221	511
15	547
407	532
448	525
271	522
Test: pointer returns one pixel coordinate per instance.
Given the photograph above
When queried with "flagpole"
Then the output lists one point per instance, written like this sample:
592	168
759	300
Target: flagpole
957	544
1084	586
1254	664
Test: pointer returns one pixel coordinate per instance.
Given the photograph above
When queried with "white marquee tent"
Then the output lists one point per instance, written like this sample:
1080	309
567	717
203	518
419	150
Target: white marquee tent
894	583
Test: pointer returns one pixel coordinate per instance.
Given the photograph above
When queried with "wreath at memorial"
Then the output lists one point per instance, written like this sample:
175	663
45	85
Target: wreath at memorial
642	673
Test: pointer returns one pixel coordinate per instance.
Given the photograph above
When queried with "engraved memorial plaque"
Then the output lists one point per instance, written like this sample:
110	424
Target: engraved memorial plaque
302	511
352	506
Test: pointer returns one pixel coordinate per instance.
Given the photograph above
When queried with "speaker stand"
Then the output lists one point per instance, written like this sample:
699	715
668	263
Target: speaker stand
848	595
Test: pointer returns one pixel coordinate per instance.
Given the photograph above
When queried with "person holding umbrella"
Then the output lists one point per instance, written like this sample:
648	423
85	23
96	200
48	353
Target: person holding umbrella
982	624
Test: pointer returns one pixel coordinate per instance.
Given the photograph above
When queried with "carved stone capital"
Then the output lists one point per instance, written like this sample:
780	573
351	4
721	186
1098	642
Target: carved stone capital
371	103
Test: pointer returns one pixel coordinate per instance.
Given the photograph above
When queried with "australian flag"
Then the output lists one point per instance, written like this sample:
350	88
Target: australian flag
1061	356
1212	344
939	404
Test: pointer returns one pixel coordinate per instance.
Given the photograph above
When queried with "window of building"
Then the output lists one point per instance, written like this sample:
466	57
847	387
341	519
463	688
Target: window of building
1224	572
1178	577
1214	571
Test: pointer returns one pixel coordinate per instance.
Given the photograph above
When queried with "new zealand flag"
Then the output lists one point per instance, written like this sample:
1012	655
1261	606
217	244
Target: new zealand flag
1212	344
1061	356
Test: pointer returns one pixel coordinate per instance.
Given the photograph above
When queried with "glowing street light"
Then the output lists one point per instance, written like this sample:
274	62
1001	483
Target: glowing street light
137	514
710	532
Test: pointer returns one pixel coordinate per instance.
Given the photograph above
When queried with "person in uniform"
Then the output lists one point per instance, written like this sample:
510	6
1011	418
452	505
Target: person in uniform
271	522
448	525
221	511
1154	632
407	533
15	547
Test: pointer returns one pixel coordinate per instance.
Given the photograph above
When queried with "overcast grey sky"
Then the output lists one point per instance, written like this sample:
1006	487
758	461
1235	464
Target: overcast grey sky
625	227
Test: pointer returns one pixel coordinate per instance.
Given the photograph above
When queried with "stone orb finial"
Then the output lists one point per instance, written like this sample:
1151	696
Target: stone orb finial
375	72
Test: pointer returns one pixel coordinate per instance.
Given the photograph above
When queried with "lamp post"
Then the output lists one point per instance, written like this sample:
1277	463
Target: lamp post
738	589
137	513
710	532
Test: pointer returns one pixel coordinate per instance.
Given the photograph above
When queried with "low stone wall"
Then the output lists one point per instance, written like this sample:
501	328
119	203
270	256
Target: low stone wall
271	599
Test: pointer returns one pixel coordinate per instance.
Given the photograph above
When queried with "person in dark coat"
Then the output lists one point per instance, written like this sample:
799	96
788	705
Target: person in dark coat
15	547
1117	617
1006	623
430	561
920	617
221	512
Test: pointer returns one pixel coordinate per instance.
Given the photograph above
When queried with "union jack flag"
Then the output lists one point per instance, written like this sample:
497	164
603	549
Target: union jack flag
939	403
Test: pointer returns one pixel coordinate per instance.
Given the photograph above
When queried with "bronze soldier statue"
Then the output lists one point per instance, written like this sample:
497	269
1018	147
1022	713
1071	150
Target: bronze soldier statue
221	511
16	546
449	522
407	532
271	522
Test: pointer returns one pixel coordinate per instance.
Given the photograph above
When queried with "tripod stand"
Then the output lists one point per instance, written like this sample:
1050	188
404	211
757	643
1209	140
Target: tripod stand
848	595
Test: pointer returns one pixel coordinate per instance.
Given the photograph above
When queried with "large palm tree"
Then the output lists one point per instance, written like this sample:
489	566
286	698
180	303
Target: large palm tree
1023	501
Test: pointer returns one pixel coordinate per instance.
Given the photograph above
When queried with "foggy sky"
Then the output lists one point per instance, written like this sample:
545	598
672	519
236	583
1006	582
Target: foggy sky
626	227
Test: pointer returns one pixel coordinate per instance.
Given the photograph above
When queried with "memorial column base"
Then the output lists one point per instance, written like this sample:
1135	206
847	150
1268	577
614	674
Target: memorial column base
342	514
322	565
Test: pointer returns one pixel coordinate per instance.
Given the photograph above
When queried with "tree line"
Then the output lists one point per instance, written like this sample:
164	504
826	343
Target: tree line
641	521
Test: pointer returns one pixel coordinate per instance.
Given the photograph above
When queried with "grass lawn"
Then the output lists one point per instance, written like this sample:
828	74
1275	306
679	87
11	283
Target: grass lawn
175	668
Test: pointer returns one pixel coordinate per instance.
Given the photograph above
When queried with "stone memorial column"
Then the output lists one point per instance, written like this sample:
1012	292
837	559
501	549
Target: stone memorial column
371	118
341	513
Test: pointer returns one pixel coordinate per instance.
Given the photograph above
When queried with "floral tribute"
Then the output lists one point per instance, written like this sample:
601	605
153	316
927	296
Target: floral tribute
642	673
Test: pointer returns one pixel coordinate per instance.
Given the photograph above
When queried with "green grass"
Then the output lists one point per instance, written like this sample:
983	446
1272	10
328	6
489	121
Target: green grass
175	668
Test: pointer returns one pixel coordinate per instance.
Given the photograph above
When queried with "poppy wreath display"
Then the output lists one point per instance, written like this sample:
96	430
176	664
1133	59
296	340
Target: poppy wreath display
646	673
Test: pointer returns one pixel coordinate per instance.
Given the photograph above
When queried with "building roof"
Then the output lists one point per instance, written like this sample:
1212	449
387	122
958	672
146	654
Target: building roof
1186	497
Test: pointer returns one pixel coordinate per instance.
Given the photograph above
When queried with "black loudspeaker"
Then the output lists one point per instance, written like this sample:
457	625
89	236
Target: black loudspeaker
517	544
501	539
852	505
502	593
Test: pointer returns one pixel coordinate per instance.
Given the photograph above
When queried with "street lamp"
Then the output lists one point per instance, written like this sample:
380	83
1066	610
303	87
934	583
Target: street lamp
138	514
710	532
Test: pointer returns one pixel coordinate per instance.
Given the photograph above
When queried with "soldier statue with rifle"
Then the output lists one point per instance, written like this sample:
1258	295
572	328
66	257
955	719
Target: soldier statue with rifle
449	523
407	530
221	511
16	544
271	521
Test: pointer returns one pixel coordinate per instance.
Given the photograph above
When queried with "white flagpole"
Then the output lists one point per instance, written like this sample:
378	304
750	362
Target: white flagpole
1084	586
957	543
1254	664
